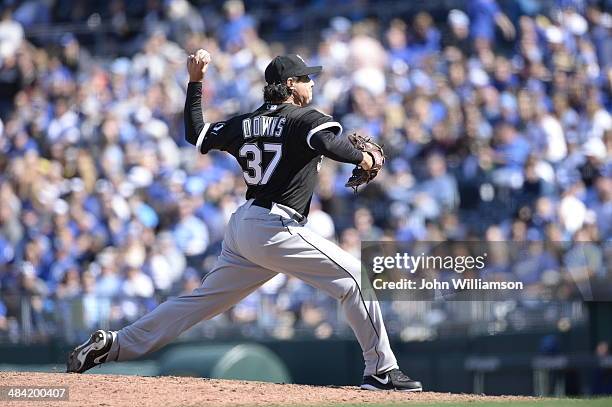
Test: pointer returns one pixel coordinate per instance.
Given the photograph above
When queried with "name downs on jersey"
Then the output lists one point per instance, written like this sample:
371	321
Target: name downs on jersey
263	126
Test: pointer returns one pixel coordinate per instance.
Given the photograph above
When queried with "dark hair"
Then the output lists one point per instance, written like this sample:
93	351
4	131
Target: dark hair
276	92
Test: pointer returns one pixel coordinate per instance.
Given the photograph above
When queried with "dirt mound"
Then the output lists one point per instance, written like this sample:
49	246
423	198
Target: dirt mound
110	391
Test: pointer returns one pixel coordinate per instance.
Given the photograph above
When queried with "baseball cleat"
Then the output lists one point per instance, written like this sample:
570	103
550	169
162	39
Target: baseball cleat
391	380
91	353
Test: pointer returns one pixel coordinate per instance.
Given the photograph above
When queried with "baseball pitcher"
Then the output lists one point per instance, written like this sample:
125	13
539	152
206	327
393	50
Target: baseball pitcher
279	147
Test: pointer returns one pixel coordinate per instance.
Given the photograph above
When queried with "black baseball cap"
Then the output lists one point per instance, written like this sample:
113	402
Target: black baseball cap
286	66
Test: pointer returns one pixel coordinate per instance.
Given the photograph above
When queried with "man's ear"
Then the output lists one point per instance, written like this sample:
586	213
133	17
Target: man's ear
290	83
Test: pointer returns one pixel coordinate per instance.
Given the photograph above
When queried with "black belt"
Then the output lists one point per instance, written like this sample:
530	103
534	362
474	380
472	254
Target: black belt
266	203
263	203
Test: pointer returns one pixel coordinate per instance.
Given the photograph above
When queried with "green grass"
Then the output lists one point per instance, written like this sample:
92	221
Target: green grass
596	402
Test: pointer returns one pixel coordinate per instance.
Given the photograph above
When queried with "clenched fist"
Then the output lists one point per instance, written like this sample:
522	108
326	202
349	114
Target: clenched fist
197	65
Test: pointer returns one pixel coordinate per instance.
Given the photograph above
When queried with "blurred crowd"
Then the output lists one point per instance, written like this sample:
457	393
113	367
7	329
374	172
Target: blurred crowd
497	126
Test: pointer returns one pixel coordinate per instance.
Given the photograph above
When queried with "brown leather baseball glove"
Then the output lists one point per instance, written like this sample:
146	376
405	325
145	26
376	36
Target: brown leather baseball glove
361	176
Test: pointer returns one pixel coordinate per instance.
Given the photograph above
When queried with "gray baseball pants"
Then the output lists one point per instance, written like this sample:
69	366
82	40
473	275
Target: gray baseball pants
258	244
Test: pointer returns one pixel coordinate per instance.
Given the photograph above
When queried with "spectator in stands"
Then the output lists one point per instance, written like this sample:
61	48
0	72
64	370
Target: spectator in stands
600	382
237	26
4	326
440	185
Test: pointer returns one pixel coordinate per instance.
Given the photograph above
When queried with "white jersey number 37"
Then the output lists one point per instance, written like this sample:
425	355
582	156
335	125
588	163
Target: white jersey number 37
254	155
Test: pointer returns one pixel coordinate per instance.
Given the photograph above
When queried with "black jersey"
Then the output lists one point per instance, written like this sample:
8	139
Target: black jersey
272	145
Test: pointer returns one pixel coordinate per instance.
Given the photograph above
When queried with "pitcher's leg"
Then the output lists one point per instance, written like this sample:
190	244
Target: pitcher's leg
342	278
377	352
322	264
231	280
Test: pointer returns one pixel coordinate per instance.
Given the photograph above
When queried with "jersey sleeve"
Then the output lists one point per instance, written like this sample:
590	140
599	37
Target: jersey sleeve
315	121
205	136
214	136
335	147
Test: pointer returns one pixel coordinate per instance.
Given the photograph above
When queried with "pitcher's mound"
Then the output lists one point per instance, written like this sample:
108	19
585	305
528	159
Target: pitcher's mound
169	391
